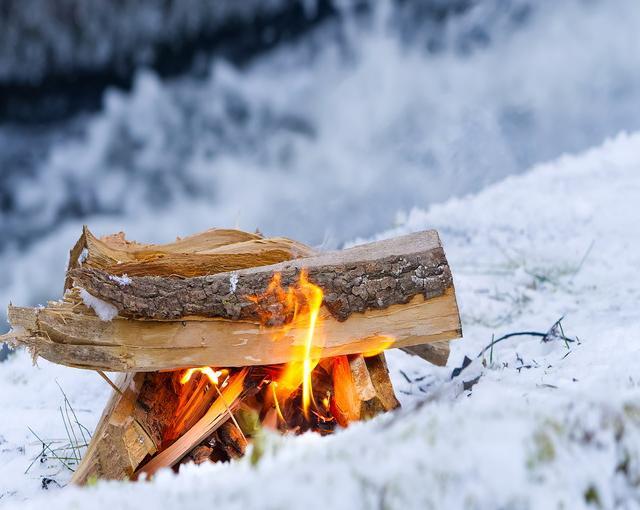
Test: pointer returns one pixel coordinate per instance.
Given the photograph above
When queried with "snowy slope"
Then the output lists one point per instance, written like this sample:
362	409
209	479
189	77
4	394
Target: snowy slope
546	426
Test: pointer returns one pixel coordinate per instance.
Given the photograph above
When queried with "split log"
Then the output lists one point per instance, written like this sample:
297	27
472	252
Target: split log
124	436
346	404
379	375
400	288
62	335
412	306
213	251
371	403
362	388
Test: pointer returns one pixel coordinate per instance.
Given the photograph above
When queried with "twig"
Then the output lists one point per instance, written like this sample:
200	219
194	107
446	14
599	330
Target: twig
64	422
584	258
233	418
520	333
110	382
37	457
493	336
47	447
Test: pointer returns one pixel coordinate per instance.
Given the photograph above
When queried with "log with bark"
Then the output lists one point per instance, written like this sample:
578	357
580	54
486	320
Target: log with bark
399	288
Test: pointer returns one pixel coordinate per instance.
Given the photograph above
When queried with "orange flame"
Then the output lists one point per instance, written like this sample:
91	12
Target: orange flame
300	304
384	342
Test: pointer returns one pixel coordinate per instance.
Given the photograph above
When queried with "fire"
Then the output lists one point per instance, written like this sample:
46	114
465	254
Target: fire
301	303
384	342
306	393
213	375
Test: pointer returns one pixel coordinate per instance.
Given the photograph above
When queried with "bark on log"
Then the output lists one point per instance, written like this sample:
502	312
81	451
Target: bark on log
231	440
371	276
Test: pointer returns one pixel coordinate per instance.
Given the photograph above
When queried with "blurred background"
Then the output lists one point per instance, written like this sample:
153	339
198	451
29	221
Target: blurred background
322	120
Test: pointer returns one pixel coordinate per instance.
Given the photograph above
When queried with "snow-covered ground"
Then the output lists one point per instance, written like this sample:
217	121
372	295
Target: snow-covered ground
548	425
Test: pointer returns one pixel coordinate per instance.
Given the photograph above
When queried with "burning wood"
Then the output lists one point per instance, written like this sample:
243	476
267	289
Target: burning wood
232	332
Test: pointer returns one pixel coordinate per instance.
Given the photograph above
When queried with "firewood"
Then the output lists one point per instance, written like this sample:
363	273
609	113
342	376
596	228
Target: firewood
346	404
379	374
194	401
213	251
373	385
370	403
200	454
140	416
366	277
66	336
217	414
436	352
413	306
231	440
122	439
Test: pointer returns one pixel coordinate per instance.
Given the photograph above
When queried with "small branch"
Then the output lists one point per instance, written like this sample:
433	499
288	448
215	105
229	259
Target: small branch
110	382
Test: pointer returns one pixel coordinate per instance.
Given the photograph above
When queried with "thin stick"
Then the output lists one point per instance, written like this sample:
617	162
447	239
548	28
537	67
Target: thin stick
275	399
233	418
115	388
491	351
68	434
47	447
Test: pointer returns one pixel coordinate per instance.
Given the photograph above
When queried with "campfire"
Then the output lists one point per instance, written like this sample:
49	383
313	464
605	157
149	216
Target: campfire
224	334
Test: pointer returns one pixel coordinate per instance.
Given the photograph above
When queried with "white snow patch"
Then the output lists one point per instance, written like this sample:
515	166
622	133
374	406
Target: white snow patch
120	280
84	254
106	311
233	282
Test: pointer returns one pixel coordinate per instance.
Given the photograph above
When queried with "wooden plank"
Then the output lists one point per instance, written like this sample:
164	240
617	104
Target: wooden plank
63	335
436	352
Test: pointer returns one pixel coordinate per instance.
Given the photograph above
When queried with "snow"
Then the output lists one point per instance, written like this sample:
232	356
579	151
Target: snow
84	254
546	426
120	280
233	282
106	311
